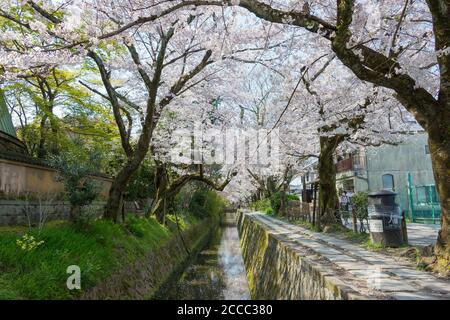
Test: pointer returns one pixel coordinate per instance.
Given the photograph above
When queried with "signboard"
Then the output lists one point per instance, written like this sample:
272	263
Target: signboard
376	225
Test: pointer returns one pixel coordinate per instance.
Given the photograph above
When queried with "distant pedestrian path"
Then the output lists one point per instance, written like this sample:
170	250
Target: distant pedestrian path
376	275
418	234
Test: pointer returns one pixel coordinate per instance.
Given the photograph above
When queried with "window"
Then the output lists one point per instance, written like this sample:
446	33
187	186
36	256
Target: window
427	149
422	194
427	194
388	181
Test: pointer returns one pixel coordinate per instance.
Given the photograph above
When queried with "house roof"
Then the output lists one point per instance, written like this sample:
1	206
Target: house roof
6	124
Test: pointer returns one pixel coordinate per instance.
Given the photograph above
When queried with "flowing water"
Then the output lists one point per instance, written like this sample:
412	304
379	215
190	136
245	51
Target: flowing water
218	272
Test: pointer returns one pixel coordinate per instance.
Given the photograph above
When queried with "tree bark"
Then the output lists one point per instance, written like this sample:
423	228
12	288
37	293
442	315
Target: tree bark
328	199
439	131
439	145
115	199
161	183
282	211
41	152
74	213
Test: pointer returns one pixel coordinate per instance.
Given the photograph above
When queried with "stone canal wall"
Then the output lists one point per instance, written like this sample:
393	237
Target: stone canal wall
286	261
26	212
277	269
146	277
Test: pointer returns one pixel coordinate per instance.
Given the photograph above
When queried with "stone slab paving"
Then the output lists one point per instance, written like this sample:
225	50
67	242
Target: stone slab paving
388	276
418	234
422	234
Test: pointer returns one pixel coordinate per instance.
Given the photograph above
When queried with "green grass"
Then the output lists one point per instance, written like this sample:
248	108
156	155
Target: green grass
369	245
357	236
98	249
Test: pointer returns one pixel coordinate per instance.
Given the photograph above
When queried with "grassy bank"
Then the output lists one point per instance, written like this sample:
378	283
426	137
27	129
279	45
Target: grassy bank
33	263
98	248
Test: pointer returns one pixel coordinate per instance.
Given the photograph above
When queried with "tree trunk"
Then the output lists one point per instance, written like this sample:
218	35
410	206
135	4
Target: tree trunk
328	199
74	212
439	131
271	187
355	222
41	152
115	199
439	145
283	205
161	184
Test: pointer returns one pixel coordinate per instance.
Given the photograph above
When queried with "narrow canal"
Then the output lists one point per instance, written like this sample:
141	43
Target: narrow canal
218	272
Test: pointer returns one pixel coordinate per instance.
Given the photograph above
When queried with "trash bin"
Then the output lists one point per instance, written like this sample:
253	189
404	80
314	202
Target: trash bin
385	219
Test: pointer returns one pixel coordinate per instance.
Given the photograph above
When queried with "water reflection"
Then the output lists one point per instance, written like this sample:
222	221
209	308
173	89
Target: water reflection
230	261
217	274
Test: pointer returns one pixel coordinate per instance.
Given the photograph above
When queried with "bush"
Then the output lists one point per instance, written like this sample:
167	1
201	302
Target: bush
293	197
74	171
261	205
141	184
275	201
360	202
174	222
206	203
269	211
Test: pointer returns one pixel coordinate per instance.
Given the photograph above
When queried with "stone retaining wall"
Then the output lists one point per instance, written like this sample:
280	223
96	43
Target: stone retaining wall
23	212
277	269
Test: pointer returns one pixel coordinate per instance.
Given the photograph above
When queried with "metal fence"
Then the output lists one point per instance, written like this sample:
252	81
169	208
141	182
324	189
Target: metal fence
424	206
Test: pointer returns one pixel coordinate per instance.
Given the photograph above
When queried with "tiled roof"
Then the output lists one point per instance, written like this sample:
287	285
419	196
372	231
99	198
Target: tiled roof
6	124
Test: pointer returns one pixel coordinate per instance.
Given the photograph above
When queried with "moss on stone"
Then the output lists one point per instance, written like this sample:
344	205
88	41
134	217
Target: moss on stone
277	269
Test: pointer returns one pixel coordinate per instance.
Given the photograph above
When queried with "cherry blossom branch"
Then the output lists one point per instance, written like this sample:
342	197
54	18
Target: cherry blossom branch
112	97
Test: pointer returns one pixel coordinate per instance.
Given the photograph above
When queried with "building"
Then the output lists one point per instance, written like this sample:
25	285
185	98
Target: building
303	183
405	168
21	174
9	144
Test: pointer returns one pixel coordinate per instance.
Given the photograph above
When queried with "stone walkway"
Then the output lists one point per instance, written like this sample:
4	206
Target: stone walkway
373	274
422	234
418	234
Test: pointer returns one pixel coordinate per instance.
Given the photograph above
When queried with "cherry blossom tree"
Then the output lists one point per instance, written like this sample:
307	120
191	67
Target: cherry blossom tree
315	115
401	47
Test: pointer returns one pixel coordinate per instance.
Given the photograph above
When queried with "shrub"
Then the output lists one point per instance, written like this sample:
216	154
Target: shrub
293	197
360	203
269	211
141	184
174	221
261	205
75	171
275	201
206	203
